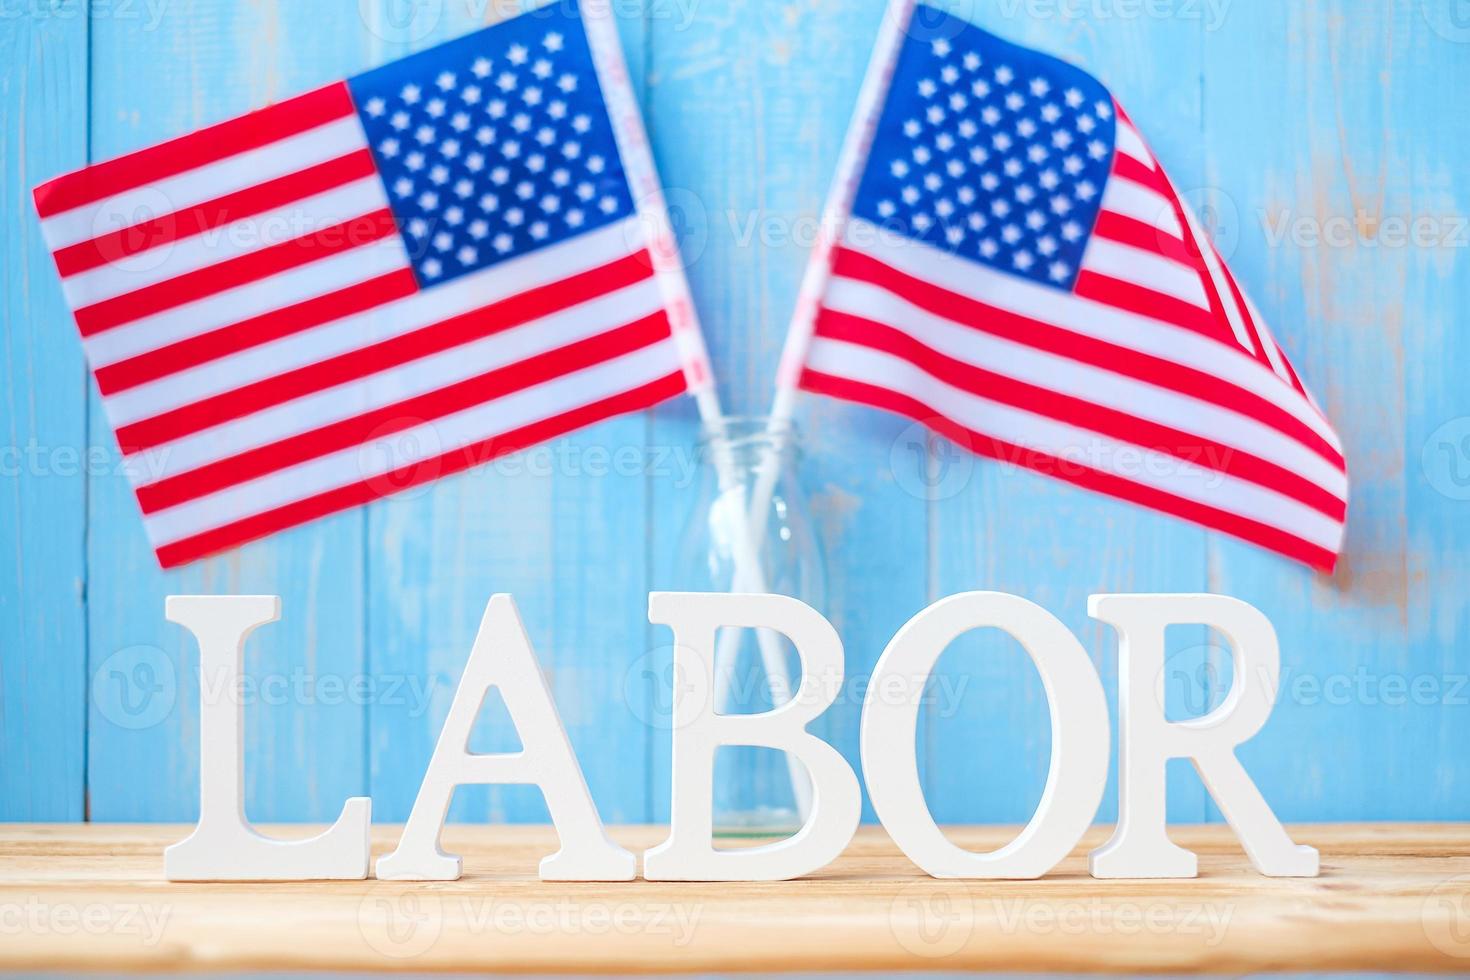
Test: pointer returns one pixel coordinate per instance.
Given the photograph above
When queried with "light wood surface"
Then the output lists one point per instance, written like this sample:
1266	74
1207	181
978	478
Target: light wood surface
89	897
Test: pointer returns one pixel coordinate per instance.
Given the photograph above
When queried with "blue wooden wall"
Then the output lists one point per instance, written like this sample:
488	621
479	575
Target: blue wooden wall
1327	141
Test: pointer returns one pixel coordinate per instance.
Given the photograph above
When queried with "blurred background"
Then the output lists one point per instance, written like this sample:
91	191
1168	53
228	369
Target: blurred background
1321	140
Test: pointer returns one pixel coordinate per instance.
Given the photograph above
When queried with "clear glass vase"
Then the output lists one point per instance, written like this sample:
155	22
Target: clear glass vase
751	503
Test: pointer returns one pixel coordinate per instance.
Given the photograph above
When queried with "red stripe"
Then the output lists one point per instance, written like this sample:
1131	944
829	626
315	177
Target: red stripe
1190	448
1130	231
299	512
382	422
1079	347
263	329
1254	329
1151	303
226	139
1255	532
212	214
376	358
1140	173
235	272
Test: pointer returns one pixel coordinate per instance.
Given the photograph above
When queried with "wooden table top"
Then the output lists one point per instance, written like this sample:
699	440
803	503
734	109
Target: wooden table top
1391	897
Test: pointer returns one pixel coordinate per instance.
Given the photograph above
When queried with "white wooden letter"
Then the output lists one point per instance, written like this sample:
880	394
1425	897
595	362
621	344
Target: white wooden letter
1140	847
699	730
502	657
1079	737
223	847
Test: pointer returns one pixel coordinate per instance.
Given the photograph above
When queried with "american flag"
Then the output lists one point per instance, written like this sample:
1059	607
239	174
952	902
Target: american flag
378	283
1018	273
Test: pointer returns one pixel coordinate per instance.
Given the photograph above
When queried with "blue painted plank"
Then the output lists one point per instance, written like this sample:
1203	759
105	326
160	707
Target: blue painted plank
43	433
304	733
1316	182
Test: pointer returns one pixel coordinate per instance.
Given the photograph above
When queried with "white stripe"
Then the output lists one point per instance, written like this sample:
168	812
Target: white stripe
1217	276
1086	317
193	187
1076	445
1093	384
1130	143
336	272
1268	340
243	302
1133	200
215	245
399	382
1145	268
431	439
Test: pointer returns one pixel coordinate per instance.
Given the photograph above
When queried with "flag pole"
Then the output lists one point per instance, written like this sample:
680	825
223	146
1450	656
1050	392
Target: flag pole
633	146
895	27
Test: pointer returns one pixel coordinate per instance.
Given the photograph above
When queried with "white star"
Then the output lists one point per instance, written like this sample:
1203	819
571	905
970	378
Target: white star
496	108
940	48
403	187
990	115
1049	179
479	228
481	67
968	129
389	148
957	101
1023	260
542	68
575	217
567	83
467	255
454	215
439	174
979	154
1071	231
608	205
532	96
980	88
1073	97
581	124
1085	124
464	187
557	109
1103	110
886	209
436	107
400	120
988	248
514	217
971	61
510	149
1073	165
927	88
536	163
418	227
443	241
550	203
1039	87
506	82
571	149
1061	204
912	128
932	182
1059	271
460	122
922	222
989	181
1061	139
521	122
1000	207
517	54
1037	154
935	115
552	42
949	74
545	136
944	142
445	81
432	268
976	221
471	94
1046	245
489	203
1004	75
1050	113
1035	220
525	190
411	94
539	230
376	107
1026	128
1010	234
910	195
899	169
450	148
966	195
1013	168
1001	141
921	155
503	242
1086	190
425	135
586	191
943	207
1025	193
1014	101
1097	149
561	176
485	135
414	161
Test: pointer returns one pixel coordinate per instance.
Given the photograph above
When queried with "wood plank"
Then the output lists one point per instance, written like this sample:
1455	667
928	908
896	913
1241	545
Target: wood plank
1391	897
159	72
43	432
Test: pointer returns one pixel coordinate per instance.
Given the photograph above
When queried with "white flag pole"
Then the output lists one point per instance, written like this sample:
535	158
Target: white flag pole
633	147
850	161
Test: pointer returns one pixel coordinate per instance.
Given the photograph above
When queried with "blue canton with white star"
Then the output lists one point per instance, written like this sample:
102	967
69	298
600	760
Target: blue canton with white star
990	151
495	144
